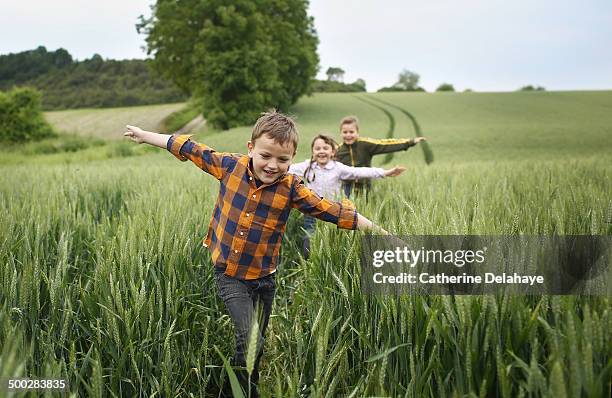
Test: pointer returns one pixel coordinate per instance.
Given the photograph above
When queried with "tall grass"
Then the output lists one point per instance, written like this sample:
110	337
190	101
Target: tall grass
104	283
103	280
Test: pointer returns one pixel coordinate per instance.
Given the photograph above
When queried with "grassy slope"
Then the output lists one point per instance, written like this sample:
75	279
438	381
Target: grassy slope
464	126
460	126
109	123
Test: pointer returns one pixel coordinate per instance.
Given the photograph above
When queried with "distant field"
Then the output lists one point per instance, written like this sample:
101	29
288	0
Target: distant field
464	126
460	126
109	123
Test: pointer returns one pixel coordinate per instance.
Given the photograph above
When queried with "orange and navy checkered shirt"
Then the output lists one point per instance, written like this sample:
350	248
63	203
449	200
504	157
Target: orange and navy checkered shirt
248	222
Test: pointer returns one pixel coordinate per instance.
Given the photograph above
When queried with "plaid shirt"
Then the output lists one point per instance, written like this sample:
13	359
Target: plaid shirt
246	230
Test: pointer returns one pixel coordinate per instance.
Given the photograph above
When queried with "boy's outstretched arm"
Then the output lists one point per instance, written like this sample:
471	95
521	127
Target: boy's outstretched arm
342	213
388	145
140	136
363	224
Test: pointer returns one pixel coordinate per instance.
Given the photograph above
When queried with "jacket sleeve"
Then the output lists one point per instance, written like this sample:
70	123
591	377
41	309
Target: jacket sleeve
377	146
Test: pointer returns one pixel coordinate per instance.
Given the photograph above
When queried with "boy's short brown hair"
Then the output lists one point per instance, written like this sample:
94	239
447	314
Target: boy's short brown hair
281	128
349	120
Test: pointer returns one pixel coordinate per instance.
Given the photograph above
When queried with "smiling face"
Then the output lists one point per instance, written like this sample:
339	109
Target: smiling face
322	152
349	132
271	160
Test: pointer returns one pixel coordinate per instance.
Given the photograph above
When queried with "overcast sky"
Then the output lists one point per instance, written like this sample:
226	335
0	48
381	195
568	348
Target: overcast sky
485	45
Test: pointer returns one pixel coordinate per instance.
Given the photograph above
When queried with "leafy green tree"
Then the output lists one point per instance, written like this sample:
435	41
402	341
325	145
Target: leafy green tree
532	88
239	58
327	86
407	81
445	87
360	83
335	74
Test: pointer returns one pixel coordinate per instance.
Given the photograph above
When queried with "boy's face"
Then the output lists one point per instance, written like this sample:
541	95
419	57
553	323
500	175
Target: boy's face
349	133
270	159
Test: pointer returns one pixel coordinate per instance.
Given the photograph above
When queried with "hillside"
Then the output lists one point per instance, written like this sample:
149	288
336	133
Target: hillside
110	123
91	83
459	126
464	126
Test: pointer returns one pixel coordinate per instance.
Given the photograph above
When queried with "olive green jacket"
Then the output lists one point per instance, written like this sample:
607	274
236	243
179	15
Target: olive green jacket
360	152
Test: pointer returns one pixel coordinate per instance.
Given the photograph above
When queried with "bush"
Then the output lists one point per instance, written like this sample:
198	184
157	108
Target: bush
445	87
21	118
328	86
59	144
532	88
398	89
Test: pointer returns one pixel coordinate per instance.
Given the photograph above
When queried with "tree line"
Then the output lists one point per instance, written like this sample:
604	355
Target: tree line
95	82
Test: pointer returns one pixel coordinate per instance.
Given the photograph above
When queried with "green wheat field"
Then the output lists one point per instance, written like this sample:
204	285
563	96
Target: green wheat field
104	282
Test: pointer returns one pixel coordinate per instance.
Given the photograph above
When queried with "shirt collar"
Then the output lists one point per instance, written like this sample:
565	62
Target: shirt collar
328	166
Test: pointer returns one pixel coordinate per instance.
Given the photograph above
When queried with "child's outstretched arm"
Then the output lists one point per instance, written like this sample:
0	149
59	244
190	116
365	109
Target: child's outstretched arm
206	158
394	171
353	173
363	224
140	136
342	213
388	145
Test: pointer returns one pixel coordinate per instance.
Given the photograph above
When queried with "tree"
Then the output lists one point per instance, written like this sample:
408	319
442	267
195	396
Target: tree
445	87
360	83
407	81
328	86
335	74
532	88
239	59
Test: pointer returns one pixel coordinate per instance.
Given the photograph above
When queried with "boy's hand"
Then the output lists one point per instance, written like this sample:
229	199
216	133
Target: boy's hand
363	224
395	171
136	134
419	139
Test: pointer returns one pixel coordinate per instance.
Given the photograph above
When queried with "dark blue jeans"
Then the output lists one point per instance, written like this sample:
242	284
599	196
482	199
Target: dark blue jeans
310	225
241	298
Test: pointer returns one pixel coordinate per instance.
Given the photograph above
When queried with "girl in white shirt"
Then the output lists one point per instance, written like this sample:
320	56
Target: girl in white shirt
324	175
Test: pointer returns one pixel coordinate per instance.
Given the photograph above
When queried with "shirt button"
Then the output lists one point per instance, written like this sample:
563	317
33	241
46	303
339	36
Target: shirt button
235	251
241	233
248	214
254	196
250	178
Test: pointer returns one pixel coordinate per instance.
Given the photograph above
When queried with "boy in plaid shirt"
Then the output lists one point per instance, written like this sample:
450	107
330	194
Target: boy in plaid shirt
255	197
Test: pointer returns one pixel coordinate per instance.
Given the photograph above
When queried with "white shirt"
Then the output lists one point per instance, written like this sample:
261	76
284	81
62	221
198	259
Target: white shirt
326	181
